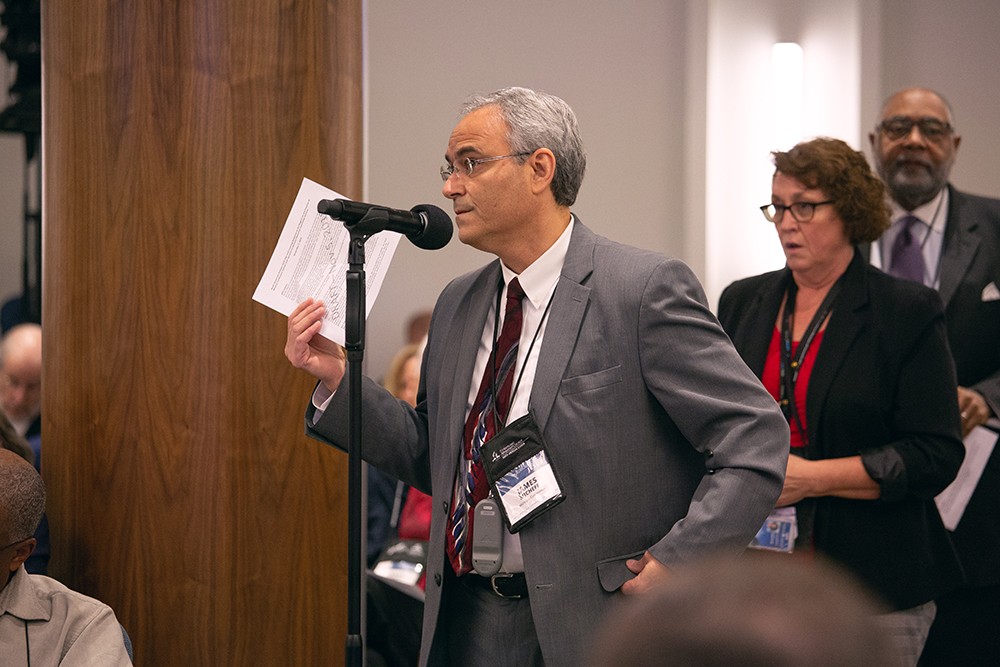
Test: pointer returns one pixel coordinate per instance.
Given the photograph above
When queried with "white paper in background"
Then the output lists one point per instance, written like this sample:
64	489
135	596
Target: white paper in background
952	501
311	260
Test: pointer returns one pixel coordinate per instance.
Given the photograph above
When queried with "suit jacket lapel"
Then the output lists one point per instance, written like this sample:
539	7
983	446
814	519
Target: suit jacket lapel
961	242
569	303
755	337
845	324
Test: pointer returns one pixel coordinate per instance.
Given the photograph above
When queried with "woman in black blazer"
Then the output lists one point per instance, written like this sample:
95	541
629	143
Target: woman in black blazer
859	362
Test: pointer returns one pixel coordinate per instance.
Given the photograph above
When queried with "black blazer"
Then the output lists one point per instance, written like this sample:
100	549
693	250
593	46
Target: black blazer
883	386
970	261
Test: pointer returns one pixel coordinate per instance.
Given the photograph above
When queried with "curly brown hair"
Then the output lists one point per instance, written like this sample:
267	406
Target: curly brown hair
844	176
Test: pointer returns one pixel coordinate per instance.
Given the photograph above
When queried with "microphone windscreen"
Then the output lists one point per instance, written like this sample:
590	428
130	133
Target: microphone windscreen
331	207
437	230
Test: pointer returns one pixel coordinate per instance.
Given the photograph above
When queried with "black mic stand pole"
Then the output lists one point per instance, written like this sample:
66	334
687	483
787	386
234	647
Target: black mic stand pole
376	220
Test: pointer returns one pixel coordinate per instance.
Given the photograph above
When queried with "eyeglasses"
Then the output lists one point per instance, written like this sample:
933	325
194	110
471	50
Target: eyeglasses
8	381
466	165
932	129
802	211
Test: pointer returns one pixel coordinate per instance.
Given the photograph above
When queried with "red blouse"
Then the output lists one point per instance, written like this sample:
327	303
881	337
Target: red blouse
772	379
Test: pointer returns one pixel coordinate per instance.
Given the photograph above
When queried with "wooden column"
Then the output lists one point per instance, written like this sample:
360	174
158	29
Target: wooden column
182	490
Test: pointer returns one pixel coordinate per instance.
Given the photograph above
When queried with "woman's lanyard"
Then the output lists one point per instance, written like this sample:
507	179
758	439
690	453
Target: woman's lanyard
790	365
493	356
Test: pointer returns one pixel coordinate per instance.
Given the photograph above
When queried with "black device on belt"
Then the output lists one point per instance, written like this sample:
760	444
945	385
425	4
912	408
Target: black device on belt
505	585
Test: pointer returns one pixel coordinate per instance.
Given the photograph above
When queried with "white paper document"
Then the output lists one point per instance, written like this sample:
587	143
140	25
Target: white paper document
952	501
311	260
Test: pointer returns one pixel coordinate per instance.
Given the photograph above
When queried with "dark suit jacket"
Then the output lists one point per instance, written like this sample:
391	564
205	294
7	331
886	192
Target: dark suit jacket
638	393
883	386
970	261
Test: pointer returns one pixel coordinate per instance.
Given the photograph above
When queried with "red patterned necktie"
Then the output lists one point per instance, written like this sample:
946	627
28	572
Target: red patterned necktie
470	482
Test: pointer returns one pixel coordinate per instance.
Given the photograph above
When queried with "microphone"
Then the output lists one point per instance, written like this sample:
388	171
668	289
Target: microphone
426	226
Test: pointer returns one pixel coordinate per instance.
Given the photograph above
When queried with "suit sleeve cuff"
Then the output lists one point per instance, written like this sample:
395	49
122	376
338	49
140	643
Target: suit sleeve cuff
886	467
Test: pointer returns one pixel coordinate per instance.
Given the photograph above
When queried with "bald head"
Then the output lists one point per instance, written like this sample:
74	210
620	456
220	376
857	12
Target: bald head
910	96
914	144
21	372
22	498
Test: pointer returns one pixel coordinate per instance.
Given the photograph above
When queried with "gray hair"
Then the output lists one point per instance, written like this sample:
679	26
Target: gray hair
537	120
22	497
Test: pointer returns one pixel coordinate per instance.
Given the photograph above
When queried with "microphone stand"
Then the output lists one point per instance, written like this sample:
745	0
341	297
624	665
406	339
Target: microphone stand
374	221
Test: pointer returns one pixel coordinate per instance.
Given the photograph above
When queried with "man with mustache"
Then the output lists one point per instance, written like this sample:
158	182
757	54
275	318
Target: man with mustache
950	240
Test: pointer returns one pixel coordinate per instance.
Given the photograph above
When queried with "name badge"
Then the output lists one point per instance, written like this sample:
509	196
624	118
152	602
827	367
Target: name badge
520	472
779	531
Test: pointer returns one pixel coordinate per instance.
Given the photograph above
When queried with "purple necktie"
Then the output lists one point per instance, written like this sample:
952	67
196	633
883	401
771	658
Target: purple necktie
470	484
907	260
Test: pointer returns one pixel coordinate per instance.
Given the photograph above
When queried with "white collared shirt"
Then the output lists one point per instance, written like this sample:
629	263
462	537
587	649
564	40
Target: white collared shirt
539	283
930	232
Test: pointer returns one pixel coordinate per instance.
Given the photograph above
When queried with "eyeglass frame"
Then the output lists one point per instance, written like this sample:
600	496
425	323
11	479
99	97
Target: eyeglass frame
470	163
8	381
781	207
947	129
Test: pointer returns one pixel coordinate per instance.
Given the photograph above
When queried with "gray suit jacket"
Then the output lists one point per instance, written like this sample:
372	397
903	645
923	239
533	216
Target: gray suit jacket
662	437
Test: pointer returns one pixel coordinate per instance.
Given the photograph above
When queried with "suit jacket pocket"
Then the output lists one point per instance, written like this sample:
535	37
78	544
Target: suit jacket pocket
575	385
613	572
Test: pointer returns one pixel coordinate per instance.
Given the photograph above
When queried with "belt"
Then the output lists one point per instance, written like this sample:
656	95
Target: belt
507	585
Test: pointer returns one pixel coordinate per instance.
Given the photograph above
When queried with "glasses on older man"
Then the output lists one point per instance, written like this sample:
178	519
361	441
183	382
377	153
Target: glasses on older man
802	211
8	381
466	165
898	127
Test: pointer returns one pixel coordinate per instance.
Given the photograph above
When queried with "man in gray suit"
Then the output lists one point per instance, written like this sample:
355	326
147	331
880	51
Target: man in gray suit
950	240
665	446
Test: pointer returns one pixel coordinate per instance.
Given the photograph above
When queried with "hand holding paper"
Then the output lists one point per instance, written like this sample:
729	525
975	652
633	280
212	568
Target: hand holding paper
307	349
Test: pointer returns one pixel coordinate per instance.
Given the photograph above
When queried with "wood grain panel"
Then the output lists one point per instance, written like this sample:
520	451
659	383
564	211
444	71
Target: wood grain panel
181	488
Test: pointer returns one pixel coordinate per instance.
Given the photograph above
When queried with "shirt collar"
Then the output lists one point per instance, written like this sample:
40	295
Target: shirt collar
541	276
933	213
19	599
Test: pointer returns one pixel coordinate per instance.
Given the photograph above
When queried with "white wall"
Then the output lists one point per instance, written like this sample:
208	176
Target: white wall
739	241
953	48
619	65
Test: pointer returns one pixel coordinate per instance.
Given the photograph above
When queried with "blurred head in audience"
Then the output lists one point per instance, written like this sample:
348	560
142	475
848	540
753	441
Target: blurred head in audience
756	611
403	376
22	503
417	327
21	374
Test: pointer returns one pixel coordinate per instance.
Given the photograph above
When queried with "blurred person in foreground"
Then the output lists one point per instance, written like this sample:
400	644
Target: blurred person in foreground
757	611
950	240
859	363
42	622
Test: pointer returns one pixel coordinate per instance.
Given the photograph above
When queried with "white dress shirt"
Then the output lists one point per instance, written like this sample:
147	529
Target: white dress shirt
539	283
930	233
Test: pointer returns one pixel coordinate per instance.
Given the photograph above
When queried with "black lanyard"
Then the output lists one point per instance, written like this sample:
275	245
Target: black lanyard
493	355
787	361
